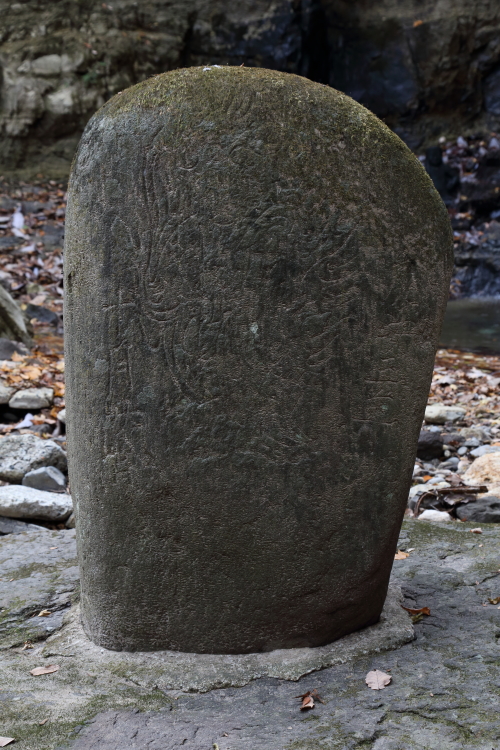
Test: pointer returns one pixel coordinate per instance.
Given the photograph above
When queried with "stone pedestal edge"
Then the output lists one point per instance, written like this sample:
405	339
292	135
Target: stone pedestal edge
170	670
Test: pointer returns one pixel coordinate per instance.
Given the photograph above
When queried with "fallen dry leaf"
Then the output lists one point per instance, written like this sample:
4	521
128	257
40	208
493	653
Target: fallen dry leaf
307	703
421	611
417	23
495	600
44	670
308	699
377	680
4	741
401	555
43	722
44	613
476	531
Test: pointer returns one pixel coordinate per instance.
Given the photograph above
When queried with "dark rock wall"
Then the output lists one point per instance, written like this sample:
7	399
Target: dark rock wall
426	68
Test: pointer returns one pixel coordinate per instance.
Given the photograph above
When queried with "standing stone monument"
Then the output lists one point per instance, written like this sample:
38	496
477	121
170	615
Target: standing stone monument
256	274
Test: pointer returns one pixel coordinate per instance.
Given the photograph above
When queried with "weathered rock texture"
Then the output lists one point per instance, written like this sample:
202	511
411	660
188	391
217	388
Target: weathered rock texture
20	454
256	272
427	67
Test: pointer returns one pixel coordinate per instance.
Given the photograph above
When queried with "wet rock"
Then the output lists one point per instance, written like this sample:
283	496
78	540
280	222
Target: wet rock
439	414
477	264
430	445
20	454
17	501
13	526
486	509
32	398
47	478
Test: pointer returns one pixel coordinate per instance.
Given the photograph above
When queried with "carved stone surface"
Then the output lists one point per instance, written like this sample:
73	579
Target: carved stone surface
256	273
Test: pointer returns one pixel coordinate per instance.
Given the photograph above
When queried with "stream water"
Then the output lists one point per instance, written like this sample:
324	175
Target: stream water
472	325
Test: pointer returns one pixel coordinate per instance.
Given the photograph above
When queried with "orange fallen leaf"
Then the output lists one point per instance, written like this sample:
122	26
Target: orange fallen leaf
16	357
308	699
31	373
401	555
307	703
59	389
44	670
4	741
417	23
421	611
377	680
426	477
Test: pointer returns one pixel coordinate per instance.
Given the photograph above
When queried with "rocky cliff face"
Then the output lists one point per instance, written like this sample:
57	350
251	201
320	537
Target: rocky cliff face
426	67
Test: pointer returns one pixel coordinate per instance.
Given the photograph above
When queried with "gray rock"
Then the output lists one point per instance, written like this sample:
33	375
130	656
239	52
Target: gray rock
484	449
12	323
289	350
62	416
119	700
486	509
20	454
47	478
8	347
439	413
430	445
6	393
13	526
47	65
32	398
70	522
17	501
43	314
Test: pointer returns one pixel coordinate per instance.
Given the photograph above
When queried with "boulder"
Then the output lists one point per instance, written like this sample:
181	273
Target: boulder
434	515
486	509
13	526
430	445
256	270
6	392
439	413
32	398
482	450
485	470
17	501
20	454
8	347
46	478
12	323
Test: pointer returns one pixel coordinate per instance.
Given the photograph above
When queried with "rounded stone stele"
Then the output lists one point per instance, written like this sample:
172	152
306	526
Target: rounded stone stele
256	274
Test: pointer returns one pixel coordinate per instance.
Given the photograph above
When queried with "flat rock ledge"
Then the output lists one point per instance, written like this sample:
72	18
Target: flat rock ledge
445	682
172	670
